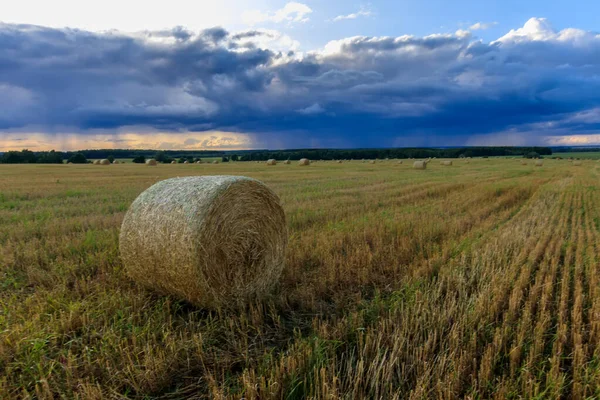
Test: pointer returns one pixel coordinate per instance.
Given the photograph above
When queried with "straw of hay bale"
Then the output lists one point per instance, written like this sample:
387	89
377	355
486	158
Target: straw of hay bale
539	163
577	163
151	162
104	162
446	163
215	241
96	162
287	162
304	161
271	161
420	165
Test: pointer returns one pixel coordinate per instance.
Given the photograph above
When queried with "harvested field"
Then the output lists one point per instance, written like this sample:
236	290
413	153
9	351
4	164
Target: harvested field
476	281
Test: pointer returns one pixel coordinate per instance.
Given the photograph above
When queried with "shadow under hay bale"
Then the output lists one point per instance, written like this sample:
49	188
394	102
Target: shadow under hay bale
215	241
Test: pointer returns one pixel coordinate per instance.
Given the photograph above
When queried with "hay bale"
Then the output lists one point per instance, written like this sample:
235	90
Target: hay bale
420	165
116	162
372	162
287	162
186	162
173	162
400	162
539	163
577	163
215	162
339	161
523	162
271	161
304	161
104	162
96	162
151	162
446	163
216	241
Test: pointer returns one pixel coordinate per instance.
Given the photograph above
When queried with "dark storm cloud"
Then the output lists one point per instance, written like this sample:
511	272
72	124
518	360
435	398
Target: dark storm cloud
361	91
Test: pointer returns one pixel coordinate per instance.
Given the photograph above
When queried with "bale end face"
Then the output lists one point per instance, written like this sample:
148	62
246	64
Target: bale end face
215	241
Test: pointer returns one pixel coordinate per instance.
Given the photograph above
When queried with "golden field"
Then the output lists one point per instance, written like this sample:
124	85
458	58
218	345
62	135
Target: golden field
479	280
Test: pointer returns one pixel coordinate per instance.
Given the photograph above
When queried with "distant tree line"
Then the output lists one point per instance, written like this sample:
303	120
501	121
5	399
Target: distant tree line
333	154
180	156
575	149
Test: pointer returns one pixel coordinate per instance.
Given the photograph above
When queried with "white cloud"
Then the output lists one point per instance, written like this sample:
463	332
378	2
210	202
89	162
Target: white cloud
480	26
292	12
361	13
314	109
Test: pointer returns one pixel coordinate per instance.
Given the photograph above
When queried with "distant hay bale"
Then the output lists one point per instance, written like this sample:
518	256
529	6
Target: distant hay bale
212	240
577	163
446	163
173	162
104	162
420	165
271	161
96	162
304	161
339	161
523	162
116	162
539	163
151	162
372	162
198	162
186	162
215	162
400	162
287	162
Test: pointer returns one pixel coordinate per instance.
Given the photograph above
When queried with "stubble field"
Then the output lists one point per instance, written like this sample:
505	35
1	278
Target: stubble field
480	280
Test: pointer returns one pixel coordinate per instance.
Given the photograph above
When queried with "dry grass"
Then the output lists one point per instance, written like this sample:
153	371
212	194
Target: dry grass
477	281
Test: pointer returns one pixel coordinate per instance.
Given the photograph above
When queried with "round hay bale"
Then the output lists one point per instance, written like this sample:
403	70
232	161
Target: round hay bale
186	162
104	162
215	162
446	163
96	162
372	162
539	163
577	163
116	162
304	161
420	165
216	241
287	162
151	162
198	162
523	162
173	162
271	161
400	162
339	161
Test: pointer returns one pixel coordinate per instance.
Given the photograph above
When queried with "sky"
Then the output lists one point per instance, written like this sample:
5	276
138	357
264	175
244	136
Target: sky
238	74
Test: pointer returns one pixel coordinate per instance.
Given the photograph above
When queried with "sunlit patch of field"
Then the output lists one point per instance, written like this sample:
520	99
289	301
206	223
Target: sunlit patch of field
478	280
